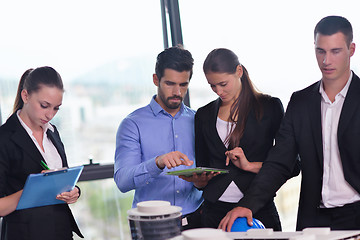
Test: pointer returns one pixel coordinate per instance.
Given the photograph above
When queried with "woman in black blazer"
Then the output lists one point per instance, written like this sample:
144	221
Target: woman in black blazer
234	132
26	139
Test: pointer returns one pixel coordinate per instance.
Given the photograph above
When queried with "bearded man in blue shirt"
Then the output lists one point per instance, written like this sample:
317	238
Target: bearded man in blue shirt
159	138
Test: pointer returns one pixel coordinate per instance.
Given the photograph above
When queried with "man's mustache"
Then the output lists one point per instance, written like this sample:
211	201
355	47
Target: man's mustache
175	97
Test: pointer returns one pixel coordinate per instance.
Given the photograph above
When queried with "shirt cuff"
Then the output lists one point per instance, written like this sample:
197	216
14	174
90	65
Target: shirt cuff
79	190
152	168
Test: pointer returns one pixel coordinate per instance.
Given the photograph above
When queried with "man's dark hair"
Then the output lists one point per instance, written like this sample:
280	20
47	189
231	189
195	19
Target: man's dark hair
175	58
334	24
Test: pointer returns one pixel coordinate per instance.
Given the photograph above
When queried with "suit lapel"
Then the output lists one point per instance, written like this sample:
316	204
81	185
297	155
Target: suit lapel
350	106
213	128
315	119
58	145
23	140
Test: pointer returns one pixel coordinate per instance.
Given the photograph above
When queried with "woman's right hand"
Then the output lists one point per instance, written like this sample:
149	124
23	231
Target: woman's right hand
238	158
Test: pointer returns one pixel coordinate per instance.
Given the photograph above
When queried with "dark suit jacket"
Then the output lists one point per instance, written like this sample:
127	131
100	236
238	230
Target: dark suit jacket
19	157
301	133
257	140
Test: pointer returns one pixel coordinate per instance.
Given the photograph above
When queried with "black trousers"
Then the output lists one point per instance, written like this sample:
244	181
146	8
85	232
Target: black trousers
340	218
42	223
192	220
213	213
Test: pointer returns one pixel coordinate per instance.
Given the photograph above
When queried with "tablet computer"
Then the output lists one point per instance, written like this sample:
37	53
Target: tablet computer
197	170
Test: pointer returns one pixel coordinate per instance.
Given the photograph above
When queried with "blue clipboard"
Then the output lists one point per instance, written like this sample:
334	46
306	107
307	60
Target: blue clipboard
41	189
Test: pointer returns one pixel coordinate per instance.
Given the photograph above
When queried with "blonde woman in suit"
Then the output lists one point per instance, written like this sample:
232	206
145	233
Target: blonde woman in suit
26	139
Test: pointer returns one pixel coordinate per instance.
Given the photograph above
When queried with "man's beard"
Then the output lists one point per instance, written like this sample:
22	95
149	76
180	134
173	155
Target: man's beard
171	105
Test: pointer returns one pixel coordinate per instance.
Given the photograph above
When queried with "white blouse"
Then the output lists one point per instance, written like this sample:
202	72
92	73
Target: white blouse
232	193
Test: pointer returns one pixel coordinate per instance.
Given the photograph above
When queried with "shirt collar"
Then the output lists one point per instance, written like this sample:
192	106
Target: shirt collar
342	93
46	126
156	108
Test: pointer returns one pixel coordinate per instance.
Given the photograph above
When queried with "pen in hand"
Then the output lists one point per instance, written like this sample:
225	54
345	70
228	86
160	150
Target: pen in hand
43	164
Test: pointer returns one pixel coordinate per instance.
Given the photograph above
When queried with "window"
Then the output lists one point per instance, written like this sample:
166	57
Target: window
105	53
273	40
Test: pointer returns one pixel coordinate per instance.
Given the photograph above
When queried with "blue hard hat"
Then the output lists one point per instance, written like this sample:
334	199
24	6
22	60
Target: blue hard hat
240	225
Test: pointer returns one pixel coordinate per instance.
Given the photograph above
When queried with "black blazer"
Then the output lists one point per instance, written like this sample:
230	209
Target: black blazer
301	133
19	157
257	140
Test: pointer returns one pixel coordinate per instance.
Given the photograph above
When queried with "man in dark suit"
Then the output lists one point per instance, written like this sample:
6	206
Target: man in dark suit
322	126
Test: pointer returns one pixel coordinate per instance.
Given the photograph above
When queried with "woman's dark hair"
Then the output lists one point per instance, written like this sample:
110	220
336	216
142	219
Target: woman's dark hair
223	60
32	79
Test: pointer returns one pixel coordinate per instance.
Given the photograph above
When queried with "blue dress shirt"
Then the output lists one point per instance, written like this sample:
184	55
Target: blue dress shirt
142	136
